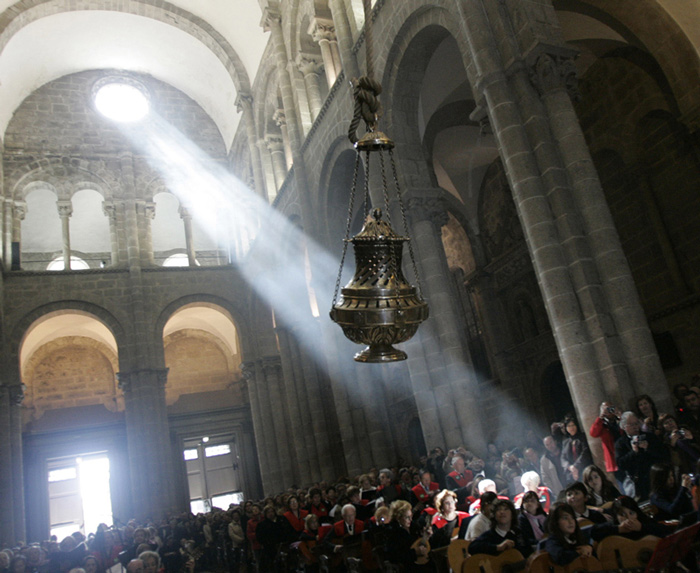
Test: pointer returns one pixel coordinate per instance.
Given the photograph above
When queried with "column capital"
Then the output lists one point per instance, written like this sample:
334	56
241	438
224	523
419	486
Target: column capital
248	371
279	117
309	64
274	142
109	209
65	208
426	205
270	18
126	380
244	101
20	209
16	394
554	69
322	29
150	210
185	212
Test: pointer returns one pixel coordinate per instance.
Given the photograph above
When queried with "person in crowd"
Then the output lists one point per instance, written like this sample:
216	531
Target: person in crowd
530	482
18	564
682	446
481	522
575	454
251	528
679	390
636	453
460	476
566	541
434	464
425	491
349	526
237	538
629	521
577	498
531	461
367	490
511	471
388	489
295	516
4	562
478	467
484	485
319	507
600	489
270	533
134	566
690	417
531	520
447	521
363	508
645	409
504	533
399	537
672	499
606	427
91	564
151	561
553	475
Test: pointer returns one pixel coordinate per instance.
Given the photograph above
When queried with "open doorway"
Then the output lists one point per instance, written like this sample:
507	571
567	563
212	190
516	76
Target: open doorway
79	494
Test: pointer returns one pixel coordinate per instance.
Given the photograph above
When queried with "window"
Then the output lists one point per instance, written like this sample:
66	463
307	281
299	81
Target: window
220	450
76	263
63	474
121	102
191	454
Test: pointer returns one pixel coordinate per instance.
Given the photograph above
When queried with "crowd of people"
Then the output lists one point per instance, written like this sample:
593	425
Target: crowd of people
542	494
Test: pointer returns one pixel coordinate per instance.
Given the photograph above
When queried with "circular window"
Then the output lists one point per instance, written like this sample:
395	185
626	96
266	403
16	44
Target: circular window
121	101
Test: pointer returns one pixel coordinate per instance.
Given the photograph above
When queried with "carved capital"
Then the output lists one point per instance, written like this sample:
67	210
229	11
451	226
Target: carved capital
248	371
184	212
274	143
20	210
427	208
270	19
149	210
551	72
16	394
309	64
65	208
110	210
322	29
244	102
279	117
271	365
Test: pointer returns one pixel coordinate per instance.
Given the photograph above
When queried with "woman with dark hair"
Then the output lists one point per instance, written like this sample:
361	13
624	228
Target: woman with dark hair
628	521
566	541
647	413
504	533
532	518
671	498
295	516
575	454
600	489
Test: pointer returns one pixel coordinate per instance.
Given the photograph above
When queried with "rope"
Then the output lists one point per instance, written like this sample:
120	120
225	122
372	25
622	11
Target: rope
366	89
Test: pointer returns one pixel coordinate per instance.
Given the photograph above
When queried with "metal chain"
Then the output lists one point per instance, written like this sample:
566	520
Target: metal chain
369	49
385	188
405	224
347	230
367	200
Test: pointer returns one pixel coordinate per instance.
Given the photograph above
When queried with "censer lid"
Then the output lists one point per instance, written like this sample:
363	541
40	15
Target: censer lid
376	229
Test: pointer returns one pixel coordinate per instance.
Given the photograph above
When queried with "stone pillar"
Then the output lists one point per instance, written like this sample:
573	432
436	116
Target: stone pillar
310	67
148	438
346	42
8	217
454	383
189	242
276	147
16	395
268	172
133	248
65	210
244	103
323	32
553	73
280	119
259	425
149	213
110	211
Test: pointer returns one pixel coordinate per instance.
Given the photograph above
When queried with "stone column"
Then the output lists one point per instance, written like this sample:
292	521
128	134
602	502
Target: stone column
65	210
310	67
323	32
7	232
11	525
149	212
110	211
274	470
244	103
554	72
259	425
346	42
18	213
280	119
453	381
189	242
16	395
148	438
268	172
133	248
276	147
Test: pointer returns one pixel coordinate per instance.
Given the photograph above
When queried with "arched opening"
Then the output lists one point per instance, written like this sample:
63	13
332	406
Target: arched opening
554	386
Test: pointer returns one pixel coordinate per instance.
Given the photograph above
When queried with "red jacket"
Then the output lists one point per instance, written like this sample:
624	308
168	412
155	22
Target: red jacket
600	430
421	494
296	522
462	480
439	521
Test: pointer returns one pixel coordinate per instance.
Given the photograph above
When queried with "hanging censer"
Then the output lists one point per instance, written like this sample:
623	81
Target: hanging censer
378	307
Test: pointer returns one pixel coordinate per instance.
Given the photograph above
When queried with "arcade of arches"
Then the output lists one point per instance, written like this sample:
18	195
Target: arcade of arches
170	278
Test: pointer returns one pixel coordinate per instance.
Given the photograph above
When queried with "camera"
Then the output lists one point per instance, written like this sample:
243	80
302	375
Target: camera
611	409
681	433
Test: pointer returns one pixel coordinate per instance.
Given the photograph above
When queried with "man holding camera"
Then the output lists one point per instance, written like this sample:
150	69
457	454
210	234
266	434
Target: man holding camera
606	428
636	453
